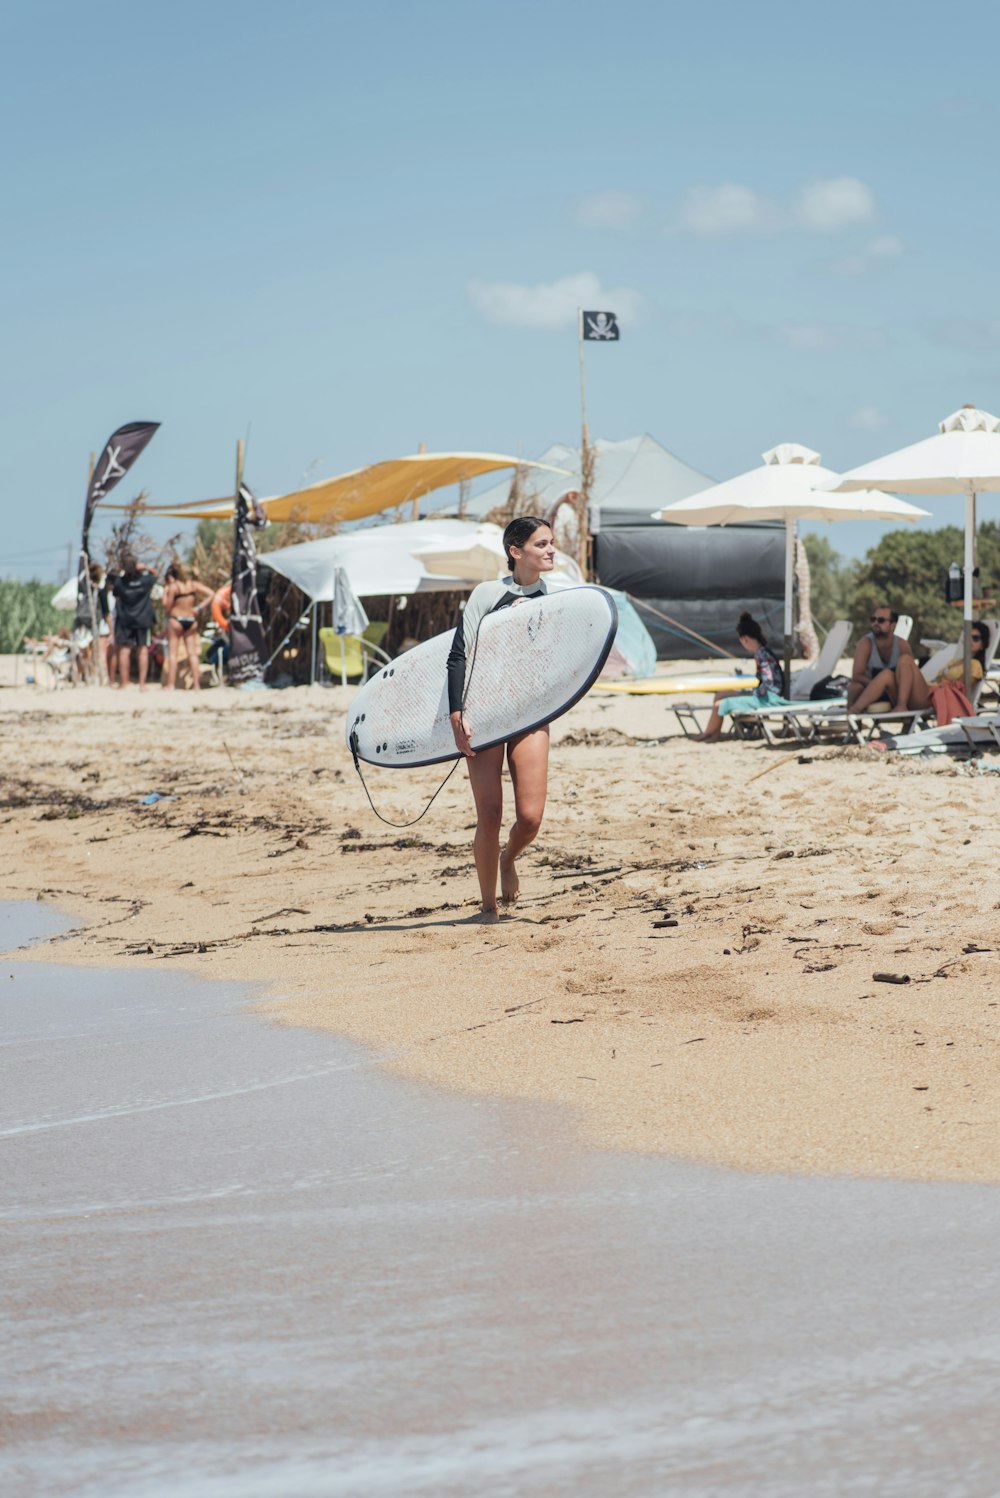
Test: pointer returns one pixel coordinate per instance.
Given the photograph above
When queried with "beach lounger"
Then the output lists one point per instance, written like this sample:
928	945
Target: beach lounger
752	725
825	663
967	734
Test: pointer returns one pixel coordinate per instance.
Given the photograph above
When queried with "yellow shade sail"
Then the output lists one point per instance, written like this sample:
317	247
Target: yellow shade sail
352	496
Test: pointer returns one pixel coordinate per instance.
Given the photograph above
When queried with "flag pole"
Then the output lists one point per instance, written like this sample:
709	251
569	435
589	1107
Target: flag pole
96	670
240	461
585	557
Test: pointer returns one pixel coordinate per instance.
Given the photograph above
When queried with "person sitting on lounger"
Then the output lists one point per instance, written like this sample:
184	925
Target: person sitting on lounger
769	690
885	669
947	690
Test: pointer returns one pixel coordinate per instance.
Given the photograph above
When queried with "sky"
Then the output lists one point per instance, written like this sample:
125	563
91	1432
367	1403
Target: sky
342	229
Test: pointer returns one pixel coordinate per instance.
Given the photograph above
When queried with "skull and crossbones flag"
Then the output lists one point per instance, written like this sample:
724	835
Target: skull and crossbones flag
246	620
120	452
599	327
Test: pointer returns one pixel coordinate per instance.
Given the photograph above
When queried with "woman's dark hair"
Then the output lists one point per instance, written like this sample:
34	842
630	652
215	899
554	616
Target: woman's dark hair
749	628
980	632
520	531
176	572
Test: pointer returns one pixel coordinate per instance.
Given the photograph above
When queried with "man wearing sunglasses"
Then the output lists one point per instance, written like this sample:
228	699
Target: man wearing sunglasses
885	669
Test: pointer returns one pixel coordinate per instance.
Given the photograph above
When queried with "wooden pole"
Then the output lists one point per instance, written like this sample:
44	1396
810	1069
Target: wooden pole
585	557
422	448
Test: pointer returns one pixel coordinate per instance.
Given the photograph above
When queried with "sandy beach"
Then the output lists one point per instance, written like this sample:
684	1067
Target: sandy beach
748	1032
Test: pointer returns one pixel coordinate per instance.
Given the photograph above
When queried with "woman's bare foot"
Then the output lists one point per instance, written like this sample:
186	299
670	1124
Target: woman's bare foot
510	884
488	916
707	738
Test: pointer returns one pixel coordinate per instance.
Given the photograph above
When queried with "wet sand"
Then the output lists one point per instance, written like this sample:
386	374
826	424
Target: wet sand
243	1261
751	1033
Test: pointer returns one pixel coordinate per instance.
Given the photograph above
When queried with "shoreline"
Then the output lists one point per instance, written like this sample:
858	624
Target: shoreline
750	1035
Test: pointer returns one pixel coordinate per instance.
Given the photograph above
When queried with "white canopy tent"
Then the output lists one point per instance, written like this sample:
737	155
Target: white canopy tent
786	488
630	478
378	559
418	556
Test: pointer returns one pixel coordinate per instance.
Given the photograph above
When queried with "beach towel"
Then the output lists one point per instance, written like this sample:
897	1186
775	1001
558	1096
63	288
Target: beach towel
950	702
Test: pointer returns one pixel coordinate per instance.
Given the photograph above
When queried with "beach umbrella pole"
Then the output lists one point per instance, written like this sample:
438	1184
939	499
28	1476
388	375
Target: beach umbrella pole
789	583
970	570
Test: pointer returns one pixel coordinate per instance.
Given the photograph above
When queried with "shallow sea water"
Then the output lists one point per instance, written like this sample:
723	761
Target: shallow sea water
240	1261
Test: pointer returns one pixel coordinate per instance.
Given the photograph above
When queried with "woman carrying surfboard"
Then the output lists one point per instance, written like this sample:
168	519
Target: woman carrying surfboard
530	553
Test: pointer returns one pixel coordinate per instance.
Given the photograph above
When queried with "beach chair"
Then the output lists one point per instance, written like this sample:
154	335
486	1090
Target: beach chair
809	722
825	663
798	719
350	657
864	727
968	734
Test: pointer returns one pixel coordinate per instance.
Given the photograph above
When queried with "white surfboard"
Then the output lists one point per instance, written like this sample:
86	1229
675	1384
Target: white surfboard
532	661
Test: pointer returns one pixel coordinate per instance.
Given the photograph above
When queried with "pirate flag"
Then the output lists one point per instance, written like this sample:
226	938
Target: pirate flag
599	327
120	452
246	622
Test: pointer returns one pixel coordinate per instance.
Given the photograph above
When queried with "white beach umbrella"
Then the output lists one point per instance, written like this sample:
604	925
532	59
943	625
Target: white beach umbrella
349	617
790	485
963	458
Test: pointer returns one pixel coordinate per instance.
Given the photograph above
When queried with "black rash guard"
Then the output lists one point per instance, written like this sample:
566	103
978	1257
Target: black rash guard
484	599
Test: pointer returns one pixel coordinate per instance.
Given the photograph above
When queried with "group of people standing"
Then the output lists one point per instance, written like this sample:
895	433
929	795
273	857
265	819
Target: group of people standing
126	609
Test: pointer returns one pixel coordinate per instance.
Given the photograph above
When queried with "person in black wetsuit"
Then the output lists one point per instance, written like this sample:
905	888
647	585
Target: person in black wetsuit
530	553
133	618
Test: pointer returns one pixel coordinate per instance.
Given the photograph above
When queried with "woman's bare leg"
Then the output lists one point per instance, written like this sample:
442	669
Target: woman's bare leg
485	769
912	690
528	758
173	650
881	685
192	643
124	665
713	728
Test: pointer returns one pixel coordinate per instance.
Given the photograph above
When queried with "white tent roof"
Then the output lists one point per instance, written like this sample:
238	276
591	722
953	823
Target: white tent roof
378	559
418	556
631	479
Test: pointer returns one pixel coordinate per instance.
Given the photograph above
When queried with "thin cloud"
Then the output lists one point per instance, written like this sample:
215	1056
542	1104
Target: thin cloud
830	207
799	337
730	208
609	210
965	333
552	304
823	206
829	338
878	255
868	419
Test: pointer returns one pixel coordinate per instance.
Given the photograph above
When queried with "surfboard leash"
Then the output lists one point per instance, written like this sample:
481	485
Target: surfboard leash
371	803
400	826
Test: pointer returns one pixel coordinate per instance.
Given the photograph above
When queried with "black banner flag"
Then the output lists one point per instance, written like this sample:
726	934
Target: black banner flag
120	452
599	327
246	622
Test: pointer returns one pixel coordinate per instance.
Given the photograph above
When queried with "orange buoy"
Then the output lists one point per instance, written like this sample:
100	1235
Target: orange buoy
221	604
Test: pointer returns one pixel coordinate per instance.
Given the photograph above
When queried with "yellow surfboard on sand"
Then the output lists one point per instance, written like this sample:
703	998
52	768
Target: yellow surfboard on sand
670	686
